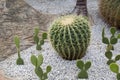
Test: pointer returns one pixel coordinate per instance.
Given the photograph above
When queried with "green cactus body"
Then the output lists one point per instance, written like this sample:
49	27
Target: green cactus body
39	42
70	36
84	68
19	61
37	62
115	68
110	45
110	11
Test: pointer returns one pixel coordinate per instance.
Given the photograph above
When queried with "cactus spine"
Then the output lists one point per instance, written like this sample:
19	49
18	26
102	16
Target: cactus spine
70	36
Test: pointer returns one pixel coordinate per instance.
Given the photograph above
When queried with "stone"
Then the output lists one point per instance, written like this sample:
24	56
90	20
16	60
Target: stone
18	18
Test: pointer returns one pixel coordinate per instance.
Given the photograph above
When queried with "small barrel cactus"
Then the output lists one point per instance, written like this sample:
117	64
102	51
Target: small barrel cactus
110	11
70	36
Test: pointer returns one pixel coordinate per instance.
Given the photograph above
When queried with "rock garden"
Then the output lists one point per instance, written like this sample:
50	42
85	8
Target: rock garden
60	40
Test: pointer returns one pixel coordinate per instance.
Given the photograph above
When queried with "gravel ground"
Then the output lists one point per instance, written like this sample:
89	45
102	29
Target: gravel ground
64	69
53	6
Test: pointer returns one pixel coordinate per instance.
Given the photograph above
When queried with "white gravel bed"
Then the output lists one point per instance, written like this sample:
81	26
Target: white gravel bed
60	7
61	69
64	69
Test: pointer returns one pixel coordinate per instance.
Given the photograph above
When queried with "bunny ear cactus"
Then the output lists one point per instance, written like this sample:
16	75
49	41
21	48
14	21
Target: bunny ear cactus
113	39
37	62
84	68
110	11
19	61
39	42
70	36
110	45
115	68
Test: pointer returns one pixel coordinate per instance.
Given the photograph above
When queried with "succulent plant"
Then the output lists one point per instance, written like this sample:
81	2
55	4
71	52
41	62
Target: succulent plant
110	45
110	11
39	42
115	68
37	62
19	61
84	68
70	36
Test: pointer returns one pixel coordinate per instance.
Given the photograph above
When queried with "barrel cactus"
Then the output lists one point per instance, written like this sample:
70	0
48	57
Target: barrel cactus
110	11
70	36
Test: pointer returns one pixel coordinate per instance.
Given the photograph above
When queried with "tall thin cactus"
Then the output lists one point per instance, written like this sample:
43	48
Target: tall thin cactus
19	61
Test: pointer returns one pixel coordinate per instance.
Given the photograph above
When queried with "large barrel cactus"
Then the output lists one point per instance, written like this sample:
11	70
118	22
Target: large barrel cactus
70	36
110	10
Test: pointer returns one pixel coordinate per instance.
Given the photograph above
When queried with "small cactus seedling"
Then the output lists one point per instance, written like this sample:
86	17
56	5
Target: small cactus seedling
115	68
109	56
37	62
113	39
110	45
84	67
19	61
37	40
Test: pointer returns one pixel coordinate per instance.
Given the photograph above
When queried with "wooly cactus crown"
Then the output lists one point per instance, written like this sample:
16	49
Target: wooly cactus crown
110	11
70	36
